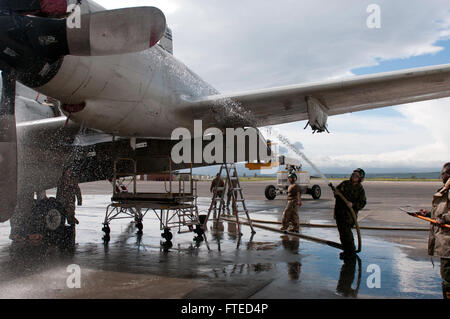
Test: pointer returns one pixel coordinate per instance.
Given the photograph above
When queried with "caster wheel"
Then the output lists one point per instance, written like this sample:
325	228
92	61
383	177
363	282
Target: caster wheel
167	235
106	229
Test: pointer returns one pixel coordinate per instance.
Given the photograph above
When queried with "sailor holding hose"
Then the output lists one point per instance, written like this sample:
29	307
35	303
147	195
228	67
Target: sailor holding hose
353	191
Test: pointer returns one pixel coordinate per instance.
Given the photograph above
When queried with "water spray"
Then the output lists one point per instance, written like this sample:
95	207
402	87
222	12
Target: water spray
232	109
336	192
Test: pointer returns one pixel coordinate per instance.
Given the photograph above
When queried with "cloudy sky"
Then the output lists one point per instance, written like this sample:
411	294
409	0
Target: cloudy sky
250	44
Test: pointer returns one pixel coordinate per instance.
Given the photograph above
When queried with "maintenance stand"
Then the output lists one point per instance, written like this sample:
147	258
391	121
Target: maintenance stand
175	208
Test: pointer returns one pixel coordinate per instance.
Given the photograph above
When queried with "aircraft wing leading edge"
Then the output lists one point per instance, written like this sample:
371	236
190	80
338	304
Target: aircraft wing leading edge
289	103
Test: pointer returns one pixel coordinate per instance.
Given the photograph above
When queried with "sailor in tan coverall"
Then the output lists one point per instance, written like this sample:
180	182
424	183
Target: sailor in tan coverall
233	185
439	239
217	182
66	193
290	214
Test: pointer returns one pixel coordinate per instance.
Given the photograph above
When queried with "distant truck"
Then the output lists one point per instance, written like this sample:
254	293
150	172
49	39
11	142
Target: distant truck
303	180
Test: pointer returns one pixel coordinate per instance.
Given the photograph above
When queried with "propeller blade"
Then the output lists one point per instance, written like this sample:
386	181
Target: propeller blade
118	31
8	147
27	38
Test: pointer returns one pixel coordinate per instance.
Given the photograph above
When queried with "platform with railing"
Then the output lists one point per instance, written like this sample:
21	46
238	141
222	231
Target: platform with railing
175	207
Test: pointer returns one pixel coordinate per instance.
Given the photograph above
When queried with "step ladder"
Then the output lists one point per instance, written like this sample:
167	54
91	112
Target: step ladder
233	185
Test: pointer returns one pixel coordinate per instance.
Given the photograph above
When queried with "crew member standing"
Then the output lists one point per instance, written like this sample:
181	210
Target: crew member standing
294	201
67	191
217	182
353	191
439	240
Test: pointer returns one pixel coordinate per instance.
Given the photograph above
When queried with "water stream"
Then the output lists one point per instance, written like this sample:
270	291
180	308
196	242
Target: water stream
285	141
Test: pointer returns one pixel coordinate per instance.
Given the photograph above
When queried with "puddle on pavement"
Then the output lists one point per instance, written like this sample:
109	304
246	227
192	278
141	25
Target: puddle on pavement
269	265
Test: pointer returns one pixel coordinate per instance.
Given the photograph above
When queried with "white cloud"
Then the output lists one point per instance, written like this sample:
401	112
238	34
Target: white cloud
240	45
169	7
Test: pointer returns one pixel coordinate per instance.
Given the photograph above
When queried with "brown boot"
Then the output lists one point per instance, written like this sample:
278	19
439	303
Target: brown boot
35	239
445	290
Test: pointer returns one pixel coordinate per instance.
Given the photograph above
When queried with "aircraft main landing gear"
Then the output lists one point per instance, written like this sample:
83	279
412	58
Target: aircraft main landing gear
43	222
48	218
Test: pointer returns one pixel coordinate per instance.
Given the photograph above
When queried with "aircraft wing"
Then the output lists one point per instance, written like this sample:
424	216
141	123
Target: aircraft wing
316	101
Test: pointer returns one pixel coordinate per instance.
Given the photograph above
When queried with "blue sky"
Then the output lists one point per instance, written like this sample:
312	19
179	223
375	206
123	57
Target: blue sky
441	57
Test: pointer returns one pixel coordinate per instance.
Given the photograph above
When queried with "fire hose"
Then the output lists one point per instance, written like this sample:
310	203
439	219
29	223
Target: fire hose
351	212
433	221
417	215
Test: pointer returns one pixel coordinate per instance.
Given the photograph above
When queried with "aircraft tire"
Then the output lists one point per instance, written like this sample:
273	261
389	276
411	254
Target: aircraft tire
270	192
48	218
316	192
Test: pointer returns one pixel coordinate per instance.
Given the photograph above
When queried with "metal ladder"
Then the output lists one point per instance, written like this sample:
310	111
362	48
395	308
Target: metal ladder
236	196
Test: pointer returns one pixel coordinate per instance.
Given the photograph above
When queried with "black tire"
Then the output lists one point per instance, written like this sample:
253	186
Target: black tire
48	215
167	235
140	227
316	192
270	192
48	219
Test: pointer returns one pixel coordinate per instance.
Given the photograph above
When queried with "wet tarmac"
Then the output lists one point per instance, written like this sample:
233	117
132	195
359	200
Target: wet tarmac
266	265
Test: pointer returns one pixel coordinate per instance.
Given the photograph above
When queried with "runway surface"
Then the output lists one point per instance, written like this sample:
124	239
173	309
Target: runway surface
267	265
